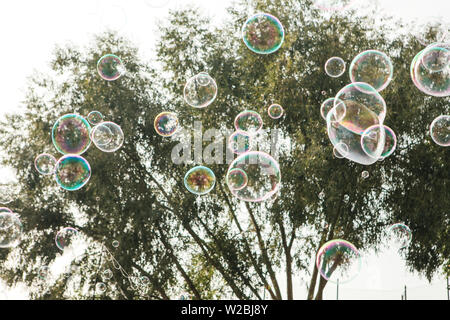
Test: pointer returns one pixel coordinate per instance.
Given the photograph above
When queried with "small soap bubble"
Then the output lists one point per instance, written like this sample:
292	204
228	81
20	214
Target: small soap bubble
45	164
110	67
365	174
115	244
335	67
263	33
200	180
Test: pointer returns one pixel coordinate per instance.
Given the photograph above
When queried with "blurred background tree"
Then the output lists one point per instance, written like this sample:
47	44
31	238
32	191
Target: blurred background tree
214	246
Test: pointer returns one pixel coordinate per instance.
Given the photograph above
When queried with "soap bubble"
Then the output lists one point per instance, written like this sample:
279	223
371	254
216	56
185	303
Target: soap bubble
365	174
399	236
275	111
239	142
72	172
328	105
263	33
436	57
5	210
110	67
66	237
200	90
145	280
237	179
166	124
332	5
434	83
263	176
100	287
45	164
115	244
10	230
364	107
340	150
71	134
200	180
338	260
107	274
95	117
108	136
440	130
372	67
43	272
372	137
248	121
335	67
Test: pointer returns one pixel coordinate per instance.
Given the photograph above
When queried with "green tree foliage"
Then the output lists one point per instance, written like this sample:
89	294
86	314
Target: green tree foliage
215	246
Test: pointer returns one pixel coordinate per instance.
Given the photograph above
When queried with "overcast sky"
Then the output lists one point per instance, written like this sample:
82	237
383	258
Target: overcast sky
31	29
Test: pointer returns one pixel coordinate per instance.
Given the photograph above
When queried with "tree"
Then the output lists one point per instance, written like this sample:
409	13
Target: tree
216	246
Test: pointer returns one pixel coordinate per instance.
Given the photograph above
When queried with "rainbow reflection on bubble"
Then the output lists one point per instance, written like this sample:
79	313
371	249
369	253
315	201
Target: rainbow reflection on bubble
95	117
399	236
71	134
263	176
166	124
237	179
110	67
66	237
45	164
248	121
370	141
239	142
72	172
275	111
263	33
338	260
440	130
372	67
200	180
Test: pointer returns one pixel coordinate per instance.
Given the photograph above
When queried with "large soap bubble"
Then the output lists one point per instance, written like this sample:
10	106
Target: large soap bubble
107	136
364	107
440	130
430	71
261	174
200	180
338	260
71	134
110	67
373	67
10	230
200	90
72	172
263	33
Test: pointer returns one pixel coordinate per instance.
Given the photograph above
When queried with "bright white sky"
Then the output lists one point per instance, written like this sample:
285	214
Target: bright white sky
31	29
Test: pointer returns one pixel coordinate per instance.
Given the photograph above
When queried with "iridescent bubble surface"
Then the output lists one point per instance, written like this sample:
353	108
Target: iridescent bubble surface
433	83
10	230
7	210
440	130
100	287
248	121
66	237
110	67
436	57
166	124
108	136
200	90
399	236
340	150
45	164
71	134
72	172
237	179
338	260
370	141
335	67
263	176
239	142
200	180
263	33
364	107
95	117
372	67
115	244
275	111
328	105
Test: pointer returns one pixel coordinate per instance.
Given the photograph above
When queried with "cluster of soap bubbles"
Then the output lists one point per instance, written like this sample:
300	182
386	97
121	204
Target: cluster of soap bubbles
72	135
